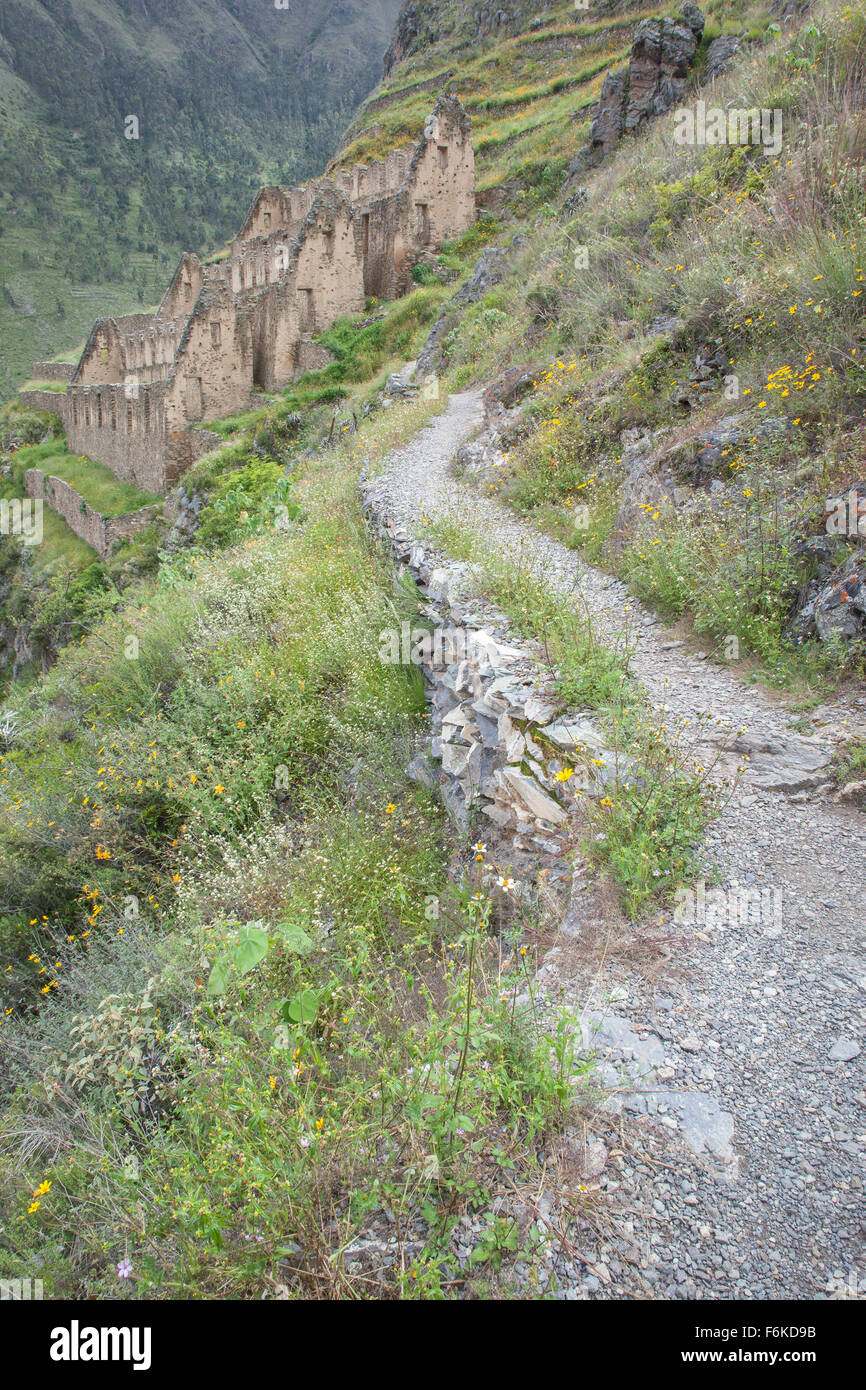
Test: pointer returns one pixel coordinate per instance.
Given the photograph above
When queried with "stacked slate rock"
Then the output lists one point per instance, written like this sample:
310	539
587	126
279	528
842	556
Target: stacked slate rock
499	735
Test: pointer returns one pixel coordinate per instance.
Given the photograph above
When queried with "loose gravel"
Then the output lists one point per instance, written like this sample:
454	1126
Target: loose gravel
727	1160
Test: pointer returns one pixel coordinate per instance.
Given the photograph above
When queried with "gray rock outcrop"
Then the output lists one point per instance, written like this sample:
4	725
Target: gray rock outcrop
663	53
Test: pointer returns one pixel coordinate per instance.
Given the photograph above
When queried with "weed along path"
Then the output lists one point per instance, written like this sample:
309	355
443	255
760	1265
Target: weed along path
728	1158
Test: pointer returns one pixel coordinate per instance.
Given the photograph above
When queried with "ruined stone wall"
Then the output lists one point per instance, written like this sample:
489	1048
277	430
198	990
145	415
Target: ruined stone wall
260	260
213	368
384	224
149	352
272	208
122	427
311	356
416	197
132	323
135	426
328	268
182	447
283	292
139	345
184	290
99	532
270	318
52	401
53	371
441	179
102	358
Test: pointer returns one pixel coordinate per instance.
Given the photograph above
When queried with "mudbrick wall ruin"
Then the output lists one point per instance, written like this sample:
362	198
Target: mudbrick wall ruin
302	259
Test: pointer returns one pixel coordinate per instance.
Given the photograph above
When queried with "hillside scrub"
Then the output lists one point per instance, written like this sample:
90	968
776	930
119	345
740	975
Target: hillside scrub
267	1027
677	253
527	92
244	1009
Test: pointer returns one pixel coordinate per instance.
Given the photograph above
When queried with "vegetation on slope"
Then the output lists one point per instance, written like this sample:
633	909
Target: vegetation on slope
244	1010
248	1018
679	253
529	86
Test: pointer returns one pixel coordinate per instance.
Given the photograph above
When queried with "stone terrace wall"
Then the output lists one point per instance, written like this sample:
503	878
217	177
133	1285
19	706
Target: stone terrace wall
52	401
499	733
99	532
53	371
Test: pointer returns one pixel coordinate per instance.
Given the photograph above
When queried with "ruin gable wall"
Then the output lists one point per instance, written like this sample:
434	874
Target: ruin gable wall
180	297
123	426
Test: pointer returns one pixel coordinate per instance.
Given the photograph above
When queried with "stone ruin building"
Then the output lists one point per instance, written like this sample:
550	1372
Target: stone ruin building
302	259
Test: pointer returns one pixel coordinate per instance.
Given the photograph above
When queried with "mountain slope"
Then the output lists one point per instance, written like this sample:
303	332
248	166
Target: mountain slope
528	81
225	94
271	1025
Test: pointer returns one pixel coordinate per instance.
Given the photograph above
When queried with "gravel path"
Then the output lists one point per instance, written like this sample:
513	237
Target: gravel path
751	1031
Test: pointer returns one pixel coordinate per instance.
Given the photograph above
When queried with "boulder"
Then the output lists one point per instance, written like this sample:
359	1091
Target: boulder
508	390
662	54
720	51
852	794
489	271
838	608
573	735
784	764
526	791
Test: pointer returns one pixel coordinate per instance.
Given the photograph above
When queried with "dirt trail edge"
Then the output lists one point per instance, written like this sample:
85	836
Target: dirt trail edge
733	1153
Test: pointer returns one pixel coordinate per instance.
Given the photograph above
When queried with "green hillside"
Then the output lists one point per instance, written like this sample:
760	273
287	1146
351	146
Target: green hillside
273	1026
529	86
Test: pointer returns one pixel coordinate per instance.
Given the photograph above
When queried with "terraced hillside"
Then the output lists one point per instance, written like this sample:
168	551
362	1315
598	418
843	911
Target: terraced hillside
529	85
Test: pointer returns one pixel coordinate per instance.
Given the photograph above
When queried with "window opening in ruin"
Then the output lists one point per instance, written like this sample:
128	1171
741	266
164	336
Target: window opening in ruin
216	334
99	412
104	354
306	311
422	213
129	419
443	156
113	414
146	414
365	232
194	397
329	242
267	220
187	289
